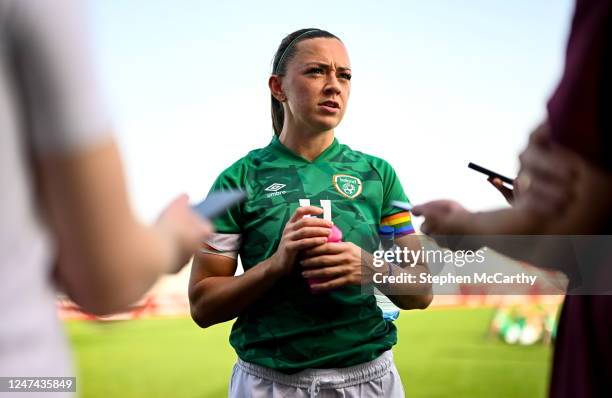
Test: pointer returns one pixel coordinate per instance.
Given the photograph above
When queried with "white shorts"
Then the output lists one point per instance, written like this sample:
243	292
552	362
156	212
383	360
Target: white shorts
376	378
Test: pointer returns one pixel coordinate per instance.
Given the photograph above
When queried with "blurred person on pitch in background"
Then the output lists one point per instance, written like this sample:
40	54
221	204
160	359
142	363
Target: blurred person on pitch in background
564	187
64	208
304	325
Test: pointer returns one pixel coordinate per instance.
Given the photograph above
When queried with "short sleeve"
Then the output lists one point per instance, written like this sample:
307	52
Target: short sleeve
64	111
229	222
227	239
391	216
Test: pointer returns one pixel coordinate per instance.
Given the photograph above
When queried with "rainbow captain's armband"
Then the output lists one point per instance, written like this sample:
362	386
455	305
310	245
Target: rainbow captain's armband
401	223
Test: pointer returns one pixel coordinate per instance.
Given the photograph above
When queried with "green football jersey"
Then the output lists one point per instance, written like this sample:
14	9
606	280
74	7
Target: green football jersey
289	328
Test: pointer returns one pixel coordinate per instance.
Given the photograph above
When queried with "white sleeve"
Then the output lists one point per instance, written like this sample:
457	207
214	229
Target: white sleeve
54	68
223	245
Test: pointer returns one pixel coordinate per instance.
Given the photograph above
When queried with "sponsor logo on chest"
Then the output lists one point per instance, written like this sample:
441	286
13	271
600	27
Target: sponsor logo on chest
275	190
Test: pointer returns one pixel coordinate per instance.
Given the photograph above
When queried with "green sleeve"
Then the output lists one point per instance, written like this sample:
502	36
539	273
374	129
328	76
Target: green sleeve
392	187
232	178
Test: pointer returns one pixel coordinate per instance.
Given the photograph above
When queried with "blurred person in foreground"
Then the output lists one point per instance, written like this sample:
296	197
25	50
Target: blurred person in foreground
64	208
564	187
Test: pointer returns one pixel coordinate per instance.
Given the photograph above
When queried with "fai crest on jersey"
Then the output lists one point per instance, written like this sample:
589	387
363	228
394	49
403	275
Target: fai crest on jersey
347	185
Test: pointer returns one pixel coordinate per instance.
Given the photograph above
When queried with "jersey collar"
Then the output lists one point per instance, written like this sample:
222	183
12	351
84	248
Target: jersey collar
281	149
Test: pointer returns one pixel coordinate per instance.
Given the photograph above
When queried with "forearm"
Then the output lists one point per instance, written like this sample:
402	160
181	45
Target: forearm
106	258
217	299
522	235
406	295
509	221
113	272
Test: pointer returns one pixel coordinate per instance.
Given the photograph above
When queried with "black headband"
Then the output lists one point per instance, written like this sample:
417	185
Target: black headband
280	60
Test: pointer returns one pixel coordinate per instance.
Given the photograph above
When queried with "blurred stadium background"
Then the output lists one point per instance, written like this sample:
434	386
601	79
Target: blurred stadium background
465	345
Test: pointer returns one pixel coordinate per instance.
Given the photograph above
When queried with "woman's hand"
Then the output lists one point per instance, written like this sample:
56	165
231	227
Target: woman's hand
544	188
507	193
184	230
337	264
300	233
216	295
443	217
547	178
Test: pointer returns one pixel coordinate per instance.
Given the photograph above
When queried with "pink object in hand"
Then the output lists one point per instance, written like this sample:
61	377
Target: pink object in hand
335	235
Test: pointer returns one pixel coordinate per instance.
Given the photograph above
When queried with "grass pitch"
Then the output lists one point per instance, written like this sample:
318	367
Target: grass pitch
440	353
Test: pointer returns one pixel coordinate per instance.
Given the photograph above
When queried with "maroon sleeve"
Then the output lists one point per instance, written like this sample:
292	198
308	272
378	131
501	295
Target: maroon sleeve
576	111
580	117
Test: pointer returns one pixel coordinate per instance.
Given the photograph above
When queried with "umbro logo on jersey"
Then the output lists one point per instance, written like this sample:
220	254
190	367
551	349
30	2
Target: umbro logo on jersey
275	187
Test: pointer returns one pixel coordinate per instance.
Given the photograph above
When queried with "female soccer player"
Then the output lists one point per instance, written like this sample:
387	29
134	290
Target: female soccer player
293	339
